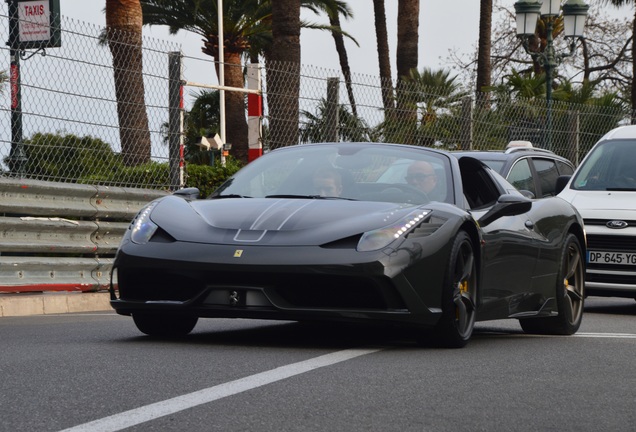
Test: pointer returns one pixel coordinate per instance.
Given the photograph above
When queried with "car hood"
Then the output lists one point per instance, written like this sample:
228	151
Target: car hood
273	221
602	204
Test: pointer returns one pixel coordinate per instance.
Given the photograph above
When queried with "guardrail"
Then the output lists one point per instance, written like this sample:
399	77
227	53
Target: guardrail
62	237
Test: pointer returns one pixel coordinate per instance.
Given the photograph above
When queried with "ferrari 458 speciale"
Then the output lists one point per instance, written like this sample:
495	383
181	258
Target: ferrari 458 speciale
355	232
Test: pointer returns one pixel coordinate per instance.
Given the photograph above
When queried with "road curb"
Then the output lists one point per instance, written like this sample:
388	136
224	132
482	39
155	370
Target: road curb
26	304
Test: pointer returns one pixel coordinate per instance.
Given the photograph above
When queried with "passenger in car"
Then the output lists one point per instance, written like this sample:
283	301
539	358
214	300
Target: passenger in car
327	182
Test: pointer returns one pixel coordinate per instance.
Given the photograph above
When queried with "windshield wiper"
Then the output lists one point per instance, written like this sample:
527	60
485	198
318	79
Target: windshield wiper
621	189
310	197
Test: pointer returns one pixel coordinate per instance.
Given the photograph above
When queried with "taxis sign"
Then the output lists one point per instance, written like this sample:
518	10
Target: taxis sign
38	24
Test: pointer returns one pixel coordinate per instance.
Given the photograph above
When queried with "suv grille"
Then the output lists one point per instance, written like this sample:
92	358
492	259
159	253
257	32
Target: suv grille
602	222
611	242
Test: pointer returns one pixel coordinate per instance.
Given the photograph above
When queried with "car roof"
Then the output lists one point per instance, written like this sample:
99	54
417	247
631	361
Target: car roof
623	132
509	154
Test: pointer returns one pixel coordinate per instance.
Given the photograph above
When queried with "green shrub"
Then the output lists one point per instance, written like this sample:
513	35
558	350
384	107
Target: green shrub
67	157
208	178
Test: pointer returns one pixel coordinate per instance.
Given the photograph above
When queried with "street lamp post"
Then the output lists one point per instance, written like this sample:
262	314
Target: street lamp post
527	15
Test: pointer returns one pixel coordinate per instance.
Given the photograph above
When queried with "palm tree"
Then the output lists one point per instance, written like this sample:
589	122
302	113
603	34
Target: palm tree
123	34
336	9
406	56
203	119
483	53
435	90
244	21
619	3
350	127
381	34
283	79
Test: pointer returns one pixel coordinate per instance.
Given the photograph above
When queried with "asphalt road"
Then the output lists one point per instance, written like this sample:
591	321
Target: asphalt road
95	372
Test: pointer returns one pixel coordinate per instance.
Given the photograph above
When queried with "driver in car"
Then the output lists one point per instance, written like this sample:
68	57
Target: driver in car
421	175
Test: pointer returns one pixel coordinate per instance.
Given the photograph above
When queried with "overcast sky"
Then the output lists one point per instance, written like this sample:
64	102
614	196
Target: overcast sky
439	31
445	25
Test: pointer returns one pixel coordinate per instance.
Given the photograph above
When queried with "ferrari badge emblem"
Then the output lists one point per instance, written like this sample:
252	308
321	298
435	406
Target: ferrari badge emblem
238	253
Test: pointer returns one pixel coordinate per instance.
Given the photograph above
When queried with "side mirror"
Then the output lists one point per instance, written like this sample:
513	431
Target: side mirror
527	193
507	205
190	193
561	182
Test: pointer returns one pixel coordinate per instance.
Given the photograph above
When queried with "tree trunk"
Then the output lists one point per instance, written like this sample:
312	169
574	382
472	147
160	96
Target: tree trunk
283	88
485	43
123	31
406	59
384	61
344	61
407	36
235	120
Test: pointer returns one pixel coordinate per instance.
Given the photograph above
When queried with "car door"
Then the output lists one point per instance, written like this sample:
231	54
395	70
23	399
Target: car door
509	249
521	176
547	174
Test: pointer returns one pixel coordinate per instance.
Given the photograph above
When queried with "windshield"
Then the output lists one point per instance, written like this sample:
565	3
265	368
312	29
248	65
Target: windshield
351	171
609	166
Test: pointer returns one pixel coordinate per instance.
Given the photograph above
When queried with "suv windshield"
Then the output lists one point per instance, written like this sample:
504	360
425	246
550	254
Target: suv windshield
609	166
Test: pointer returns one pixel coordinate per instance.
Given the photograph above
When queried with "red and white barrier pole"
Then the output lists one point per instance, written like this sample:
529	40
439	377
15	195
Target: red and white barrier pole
254	113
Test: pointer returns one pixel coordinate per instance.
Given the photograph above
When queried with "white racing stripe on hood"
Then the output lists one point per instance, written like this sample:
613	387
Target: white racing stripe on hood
272	215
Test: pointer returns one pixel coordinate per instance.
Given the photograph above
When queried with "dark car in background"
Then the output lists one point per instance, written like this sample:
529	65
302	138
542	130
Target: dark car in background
526	167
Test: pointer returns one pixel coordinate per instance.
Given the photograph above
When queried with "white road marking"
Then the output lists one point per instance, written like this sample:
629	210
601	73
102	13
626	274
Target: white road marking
581	335
606	335
153	411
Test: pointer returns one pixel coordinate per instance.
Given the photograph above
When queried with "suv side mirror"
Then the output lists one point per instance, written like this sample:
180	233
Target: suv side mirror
561	182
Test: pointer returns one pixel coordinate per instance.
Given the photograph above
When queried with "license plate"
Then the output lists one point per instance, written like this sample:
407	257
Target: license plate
618	258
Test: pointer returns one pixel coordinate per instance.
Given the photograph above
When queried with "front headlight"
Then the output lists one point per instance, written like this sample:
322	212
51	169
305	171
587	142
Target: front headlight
143	228
382	237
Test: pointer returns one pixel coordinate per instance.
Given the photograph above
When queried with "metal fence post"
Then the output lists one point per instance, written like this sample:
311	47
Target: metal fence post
331	132
175	120
467	124
573	137
17	156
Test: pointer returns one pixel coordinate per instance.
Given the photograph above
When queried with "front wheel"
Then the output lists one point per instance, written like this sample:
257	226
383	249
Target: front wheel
164	326
570	294
459	296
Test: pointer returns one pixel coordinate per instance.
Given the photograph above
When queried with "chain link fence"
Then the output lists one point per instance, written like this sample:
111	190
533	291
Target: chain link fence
447	117
74	121
66	126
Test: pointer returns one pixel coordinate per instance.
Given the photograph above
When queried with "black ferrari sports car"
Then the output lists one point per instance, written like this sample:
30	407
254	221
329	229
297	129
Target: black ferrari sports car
355	232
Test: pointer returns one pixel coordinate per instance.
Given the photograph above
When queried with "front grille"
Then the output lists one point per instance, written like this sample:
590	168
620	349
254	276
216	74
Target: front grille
611	242
157	286
610	278
286	290
332	293
603	222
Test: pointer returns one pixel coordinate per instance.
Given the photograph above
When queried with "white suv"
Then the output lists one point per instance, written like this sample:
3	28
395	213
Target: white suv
603	189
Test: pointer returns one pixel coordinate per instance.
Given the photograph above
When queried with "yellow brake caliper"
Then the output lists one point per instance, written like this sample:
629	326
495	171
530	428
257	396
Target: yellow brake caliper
463	288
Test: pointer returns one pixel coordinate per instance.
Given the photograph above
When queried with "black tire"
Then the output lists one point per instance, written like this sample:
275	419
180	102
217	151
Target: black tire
459	296
570	295
160	325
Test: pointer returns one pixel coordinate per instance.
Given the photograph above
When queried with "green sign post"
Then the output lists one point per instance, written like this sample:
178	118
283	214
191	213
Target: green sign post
33	24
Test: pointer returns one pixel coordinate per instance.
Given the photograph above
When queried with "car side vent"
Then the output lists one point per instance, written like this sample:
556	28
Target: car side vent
424	230
344	243
162	237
